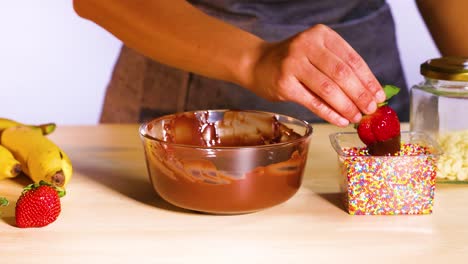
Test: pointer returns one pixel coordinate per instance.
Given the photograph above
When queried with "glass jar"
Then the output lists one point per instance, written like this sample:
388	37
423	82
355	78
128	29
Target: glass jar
439	107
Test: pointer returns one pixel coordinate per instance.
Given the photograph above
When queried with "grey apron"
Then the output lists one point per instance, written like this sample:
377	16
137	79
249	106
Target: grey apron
141	89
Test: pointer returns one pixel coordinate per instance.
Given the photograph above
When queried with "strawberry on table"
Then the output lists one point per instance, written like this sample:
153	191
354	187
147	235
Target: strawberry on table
380	131
38	205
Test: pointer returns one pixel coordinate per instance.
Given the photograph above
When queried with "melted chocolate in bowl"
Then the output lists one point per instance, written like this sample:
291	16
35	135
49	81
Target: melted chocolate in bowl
226	162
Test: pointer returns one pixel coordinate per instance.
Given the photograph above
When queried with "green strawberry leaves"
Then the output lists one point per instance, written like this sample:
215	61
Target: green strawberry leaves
390	91
61	192
3	201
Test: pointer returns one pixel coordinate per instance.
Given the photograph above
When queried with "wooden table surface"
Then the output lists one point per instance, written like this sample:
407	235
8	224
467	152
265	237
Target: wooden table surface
111	214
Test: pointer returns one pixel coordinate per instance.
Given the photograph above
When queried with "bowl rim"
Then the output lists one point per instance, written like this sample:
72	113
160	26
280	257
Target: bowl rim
308	133
437	150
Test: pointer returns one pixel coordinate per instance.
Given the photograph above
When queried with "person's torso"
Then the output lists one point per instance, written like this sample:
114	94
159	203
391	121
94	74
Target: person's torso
254	16
142	89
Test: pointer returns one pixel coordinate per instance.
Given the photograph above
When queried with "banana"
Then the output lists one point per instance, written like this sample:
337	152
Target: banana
46	128
40	158
9	166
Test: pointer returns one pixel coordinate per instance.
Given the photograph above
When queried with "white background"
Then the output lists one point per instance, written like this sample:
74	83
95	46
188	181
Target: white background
54	66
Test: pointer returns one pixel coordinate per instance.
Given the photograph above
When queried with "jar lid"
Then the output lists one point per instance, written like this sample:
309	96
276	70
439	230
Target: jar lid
446	68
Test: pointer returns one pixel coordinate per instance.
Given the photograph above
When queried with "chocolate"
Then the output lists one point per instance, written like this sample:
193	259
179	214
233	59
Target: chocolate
386	147
205	171
234	129
198	185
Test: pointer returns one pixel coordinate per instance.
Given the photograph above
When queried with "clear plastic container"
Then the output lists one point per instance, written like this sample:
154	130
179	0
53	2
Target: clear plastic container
387	185
439	107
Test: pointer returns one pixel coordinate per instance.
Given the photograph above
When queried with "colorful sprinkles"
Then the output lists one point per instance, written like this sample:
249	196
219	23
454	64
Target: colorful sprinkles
389	185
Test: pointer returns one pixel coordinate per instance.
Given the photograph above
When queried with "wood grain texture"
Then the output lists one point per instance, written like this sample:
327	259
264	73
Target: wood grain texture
111	214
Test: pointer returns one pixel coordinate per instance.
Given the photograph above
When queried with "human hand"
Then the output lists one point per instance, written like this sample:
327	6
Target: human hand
319	70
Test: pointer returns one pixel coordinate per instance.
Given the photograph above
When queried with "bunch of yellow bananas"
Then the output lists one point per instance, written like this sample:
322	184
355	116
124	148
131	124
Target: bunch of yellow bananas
26	148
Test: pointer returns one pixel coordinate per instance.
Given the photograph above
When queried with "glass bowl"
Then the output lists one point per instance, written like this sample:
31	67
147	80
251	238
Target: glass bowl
387	185
226	161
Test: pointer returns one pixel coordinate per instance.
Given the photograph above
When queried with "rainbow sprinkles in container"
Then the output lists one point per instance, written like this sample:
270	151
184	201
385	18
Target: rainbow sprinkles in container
400	184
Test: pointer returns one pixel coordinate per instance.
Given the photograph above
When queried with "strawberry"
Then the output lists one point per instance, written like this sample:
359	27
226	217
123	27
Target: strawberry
38	205
380	131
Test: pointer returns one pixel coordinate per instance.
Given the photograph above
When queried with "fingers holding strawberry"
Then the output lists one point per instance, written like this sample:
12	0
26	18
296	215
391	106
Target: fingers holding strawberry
318	69
380	131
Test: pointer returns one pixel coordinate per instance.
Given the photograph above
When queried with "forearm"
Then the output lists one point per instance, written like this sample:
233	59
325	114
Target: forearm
177	34
447	22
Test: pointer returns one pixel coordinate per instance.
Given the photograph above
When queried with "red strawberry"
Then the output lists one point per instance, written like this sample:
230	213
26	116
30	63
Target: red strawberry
38	205
380	131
